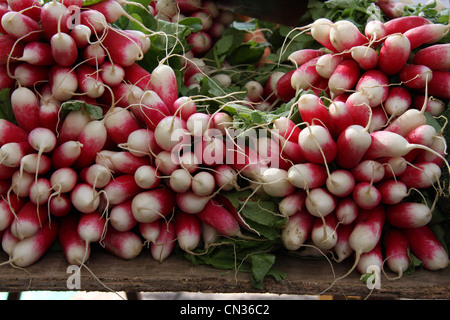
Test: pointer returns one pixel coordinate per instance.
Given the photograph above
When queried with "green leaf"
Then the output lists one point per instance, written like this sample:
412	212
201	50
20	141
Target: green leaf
195	24
72	105
89	2
6	111
246	53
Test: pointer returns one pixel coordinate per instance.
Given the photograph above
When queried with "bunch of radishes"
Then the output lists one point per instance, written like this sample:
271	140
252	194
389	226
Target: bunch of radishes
373	132
133	162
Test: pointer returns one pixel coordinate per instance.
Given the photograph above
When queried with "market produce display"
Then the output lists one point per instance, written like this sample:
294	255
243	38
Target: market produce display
180	127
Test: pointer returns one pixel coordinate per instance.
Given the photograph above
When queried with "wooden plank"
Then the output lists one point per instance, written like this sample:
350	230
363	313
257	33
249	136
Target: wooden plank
143	274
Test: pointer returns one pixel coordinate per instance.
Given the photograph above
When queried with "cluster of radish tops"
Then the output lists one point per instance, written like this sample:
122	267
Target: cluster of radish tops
104	151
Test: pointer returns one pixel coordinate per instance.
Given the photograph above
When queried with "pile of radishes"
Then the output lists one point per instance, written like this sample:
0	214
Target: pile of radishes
104	151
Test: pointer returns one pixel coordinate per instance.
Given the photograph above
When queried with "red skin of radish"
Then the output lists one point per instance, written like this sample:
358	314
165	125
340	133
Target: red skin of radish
60	205
415	76
352	144
163	246
5	81
435	57
403	24
297	230
220	219
123	244
421	175
188	230
6	215
426	34
49	116
302	56
75	249
29	220
91	226
66	154
396	250
7	48
137	75
93	138
408	215
340	115
427	248
122	49
393	54
119	124
151	110
313	111
439	85
121	188
30	250
344	77
366	195
164	82
127	163
10	132
284	89
6	172
34	13
25	106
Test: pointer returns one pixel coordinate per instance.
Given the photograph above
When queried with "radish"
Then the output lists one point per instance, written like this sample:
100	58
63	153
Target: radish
40	191
147	177
220	219
8	172
72	125
169	132
340	182
163	81
409	214
73	246
346	210
9	241
307	175
369	260
324	233
93	138
121	188
394	54
141	143
292	203
433	105
11	49
185	107
121	47
198	123
10	132
421	175
403	24
297	230
438	86
18	25
210	150
34	163
366	195
31	249
33	8
123	244
286	128
301	56
314	112
29	220
12	152
327	63
285	91
352	145
60	205
37	53
188	161
344	77
398	100
200	41
305	76
64	49
89	81
345	35
8	208
342	247
96	21
29	75
154	204
165	164
320	202
375	31
165	243
359	109
392	191
92	227
395	166
84	198
120	123
54	17
21	182
188	231
321	30
150	230
63	81
415	76
203	183
255	91
111	74
375	85
125	162
435	57
396	251
225	177
317	144
368	171
426	34
25	106
96	175
121	216
427	248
